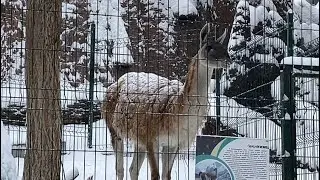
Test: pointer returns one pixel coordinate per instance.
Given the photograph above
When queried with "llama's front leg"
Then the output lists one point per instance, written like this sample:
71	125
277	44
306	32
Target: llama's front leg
137	161
168	156
118	145
153	157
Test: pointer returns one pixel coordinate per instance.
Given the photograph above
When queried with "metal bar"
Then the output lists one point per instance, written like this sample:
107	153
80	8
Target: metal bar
306	75
91	86
305	67
289	171
218	105
290	34
311	68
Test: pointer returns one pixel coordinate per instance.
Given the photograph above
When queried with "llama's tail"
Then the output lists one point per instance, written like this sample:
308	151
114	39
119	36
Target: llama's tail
108	108
110	101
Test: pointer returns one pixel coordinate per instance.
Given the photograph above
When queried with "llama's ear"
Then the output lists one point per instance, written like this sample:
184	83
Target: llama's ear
223	36
204	33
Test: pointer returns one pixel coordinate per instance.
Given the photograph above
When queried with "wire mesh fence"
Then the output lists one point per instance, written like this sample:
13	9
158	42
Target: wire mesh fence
249	97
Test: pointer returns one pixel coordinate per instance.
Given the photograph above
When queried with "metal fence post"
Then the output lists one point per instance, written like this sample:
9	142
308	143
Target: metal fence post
218	105
290	34
288	106
91	86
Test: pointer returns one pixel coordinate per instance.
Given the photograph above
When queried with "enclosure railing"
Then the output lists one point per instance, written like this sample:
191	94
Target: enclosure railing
295	157
287	105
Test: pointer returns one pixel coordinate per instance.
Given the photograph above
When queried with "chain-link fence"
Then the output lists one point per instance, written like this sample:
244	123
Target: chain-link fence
268	87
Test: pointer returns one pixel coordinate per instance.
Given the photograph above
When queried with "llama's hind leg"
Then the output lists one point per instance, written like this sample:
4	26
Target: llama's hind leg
137	161
119	158
168	156
153	157
118	147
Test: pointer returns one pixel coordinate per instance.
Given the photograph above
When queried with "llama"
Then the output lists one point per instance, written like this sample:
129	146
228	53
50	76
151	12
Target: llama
154	112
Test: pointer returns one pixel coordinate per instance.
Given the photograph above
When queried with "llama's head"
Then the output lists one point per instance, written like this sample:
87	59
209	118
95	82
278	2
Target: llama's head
212	52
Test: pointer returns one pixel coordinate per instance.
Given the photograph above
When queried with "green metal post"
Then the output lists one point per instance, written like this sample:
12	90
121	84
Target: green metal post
288	105
218	106
91	86
290	34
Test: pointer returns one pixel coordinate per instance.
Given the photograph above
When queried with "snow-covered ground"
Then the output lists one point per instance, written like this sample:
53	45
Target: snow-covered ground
94	161
8	167
99	161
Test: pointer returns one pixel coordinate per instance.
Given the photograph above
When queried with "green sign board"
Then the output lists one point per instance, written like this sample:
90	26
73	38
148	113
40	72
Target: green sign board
231	158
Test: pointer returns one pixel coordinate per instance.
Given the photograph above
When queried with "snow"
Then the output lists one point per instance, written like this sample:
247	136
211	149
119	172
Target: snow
264	14
99	161
8	166
264	58
183	7
247	122
237	38
15	93
268	4
205	3
110	27
307	132
286	154
258	14
178	7
274	16
255	125
306	12
72	174
242	4
168	11
18	4
68	10
307	31
13	89
307	118
17	54
308	87
76	45
146	84
301	61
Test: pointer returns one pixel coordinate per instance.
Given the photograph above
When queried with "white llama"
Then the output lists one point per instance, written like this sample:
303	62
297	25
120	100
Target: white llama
154	112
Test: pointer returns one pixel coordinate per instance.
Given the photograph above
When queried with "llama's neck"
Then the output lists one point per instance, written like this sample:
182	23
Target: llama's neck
197	83
193	103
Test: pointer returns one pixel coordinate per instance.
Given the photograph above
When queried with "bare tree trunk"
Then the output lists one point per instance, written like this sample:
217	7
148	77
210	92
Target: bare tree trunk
43	26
